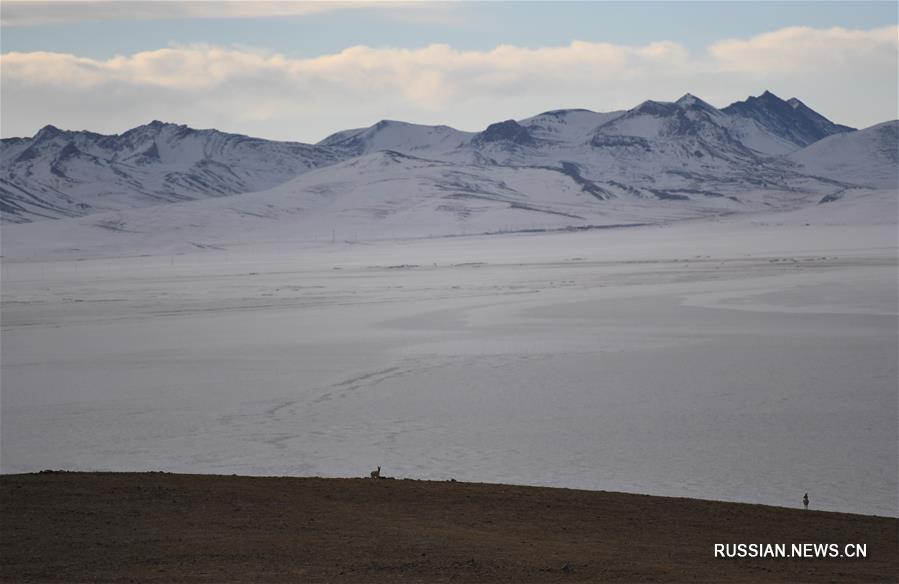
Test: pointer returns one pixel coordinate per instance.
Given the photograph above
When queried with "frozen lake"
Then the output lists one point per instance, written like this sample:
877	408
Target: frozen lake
734	360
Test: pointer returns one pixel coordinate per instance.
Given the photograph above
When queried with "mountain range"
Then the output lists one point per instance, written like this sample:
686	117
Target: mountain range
658	161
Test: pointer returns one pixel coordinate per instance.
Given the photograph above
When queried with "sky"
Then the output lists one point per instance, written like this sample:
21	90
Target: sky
303	70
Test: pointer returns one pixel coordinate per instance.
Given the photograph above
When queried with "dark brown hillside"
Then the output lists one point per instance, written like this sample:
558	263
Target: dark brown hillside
154	527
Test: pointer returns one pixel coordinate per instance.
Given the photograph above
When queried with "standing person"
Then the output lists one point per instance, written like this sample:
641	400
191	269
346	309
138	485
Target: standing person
805	501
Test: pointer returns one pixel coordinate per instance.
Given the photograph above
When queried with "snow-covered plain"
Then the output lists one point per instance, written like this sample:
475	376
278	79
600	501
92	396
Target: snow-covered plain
750	358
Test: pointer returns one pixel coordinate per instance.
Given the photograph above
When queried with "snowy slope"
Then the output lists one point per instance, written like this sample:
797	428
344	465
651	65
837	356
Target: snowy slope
867	157
381	195
569	125
391	195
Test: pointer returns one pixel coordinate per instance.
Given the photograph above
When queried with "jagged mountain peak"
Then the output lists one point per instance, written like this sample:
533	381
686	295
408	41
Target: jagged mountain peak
791	121
687	99
765	97
690	102
47	132
160	125
654	108
50	131
157	128
689	115
154	125
561	113
667	108
689	130
154	128
508	131
767	100
380	125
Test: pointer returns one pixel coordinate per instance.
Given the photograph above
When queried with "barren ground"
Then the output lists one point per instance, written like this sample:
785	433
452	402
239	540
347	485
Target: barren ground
155	527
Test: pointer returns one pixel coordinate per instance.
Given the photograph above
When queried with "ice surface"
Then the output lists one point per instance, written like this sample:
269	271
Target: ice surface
744	359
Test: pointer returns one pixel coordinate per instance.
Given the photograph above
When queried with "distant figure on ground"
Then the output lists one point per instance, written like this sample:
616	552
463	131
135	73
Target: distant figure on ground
376	474
804	498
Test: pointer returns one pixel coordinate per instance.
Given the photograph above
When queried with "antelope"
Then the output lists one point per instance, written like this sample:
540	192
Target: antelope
376	474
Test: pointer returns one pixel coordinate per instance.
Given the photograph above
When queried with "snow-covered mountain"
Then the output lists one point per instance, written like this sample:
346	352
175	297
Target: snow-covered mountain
659	161
786	124
685	150
61	173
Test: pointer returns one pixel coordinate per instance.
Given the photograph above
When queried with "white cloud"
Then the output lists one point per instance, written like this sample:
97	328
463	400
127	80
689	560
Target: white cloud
803	50
279	96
